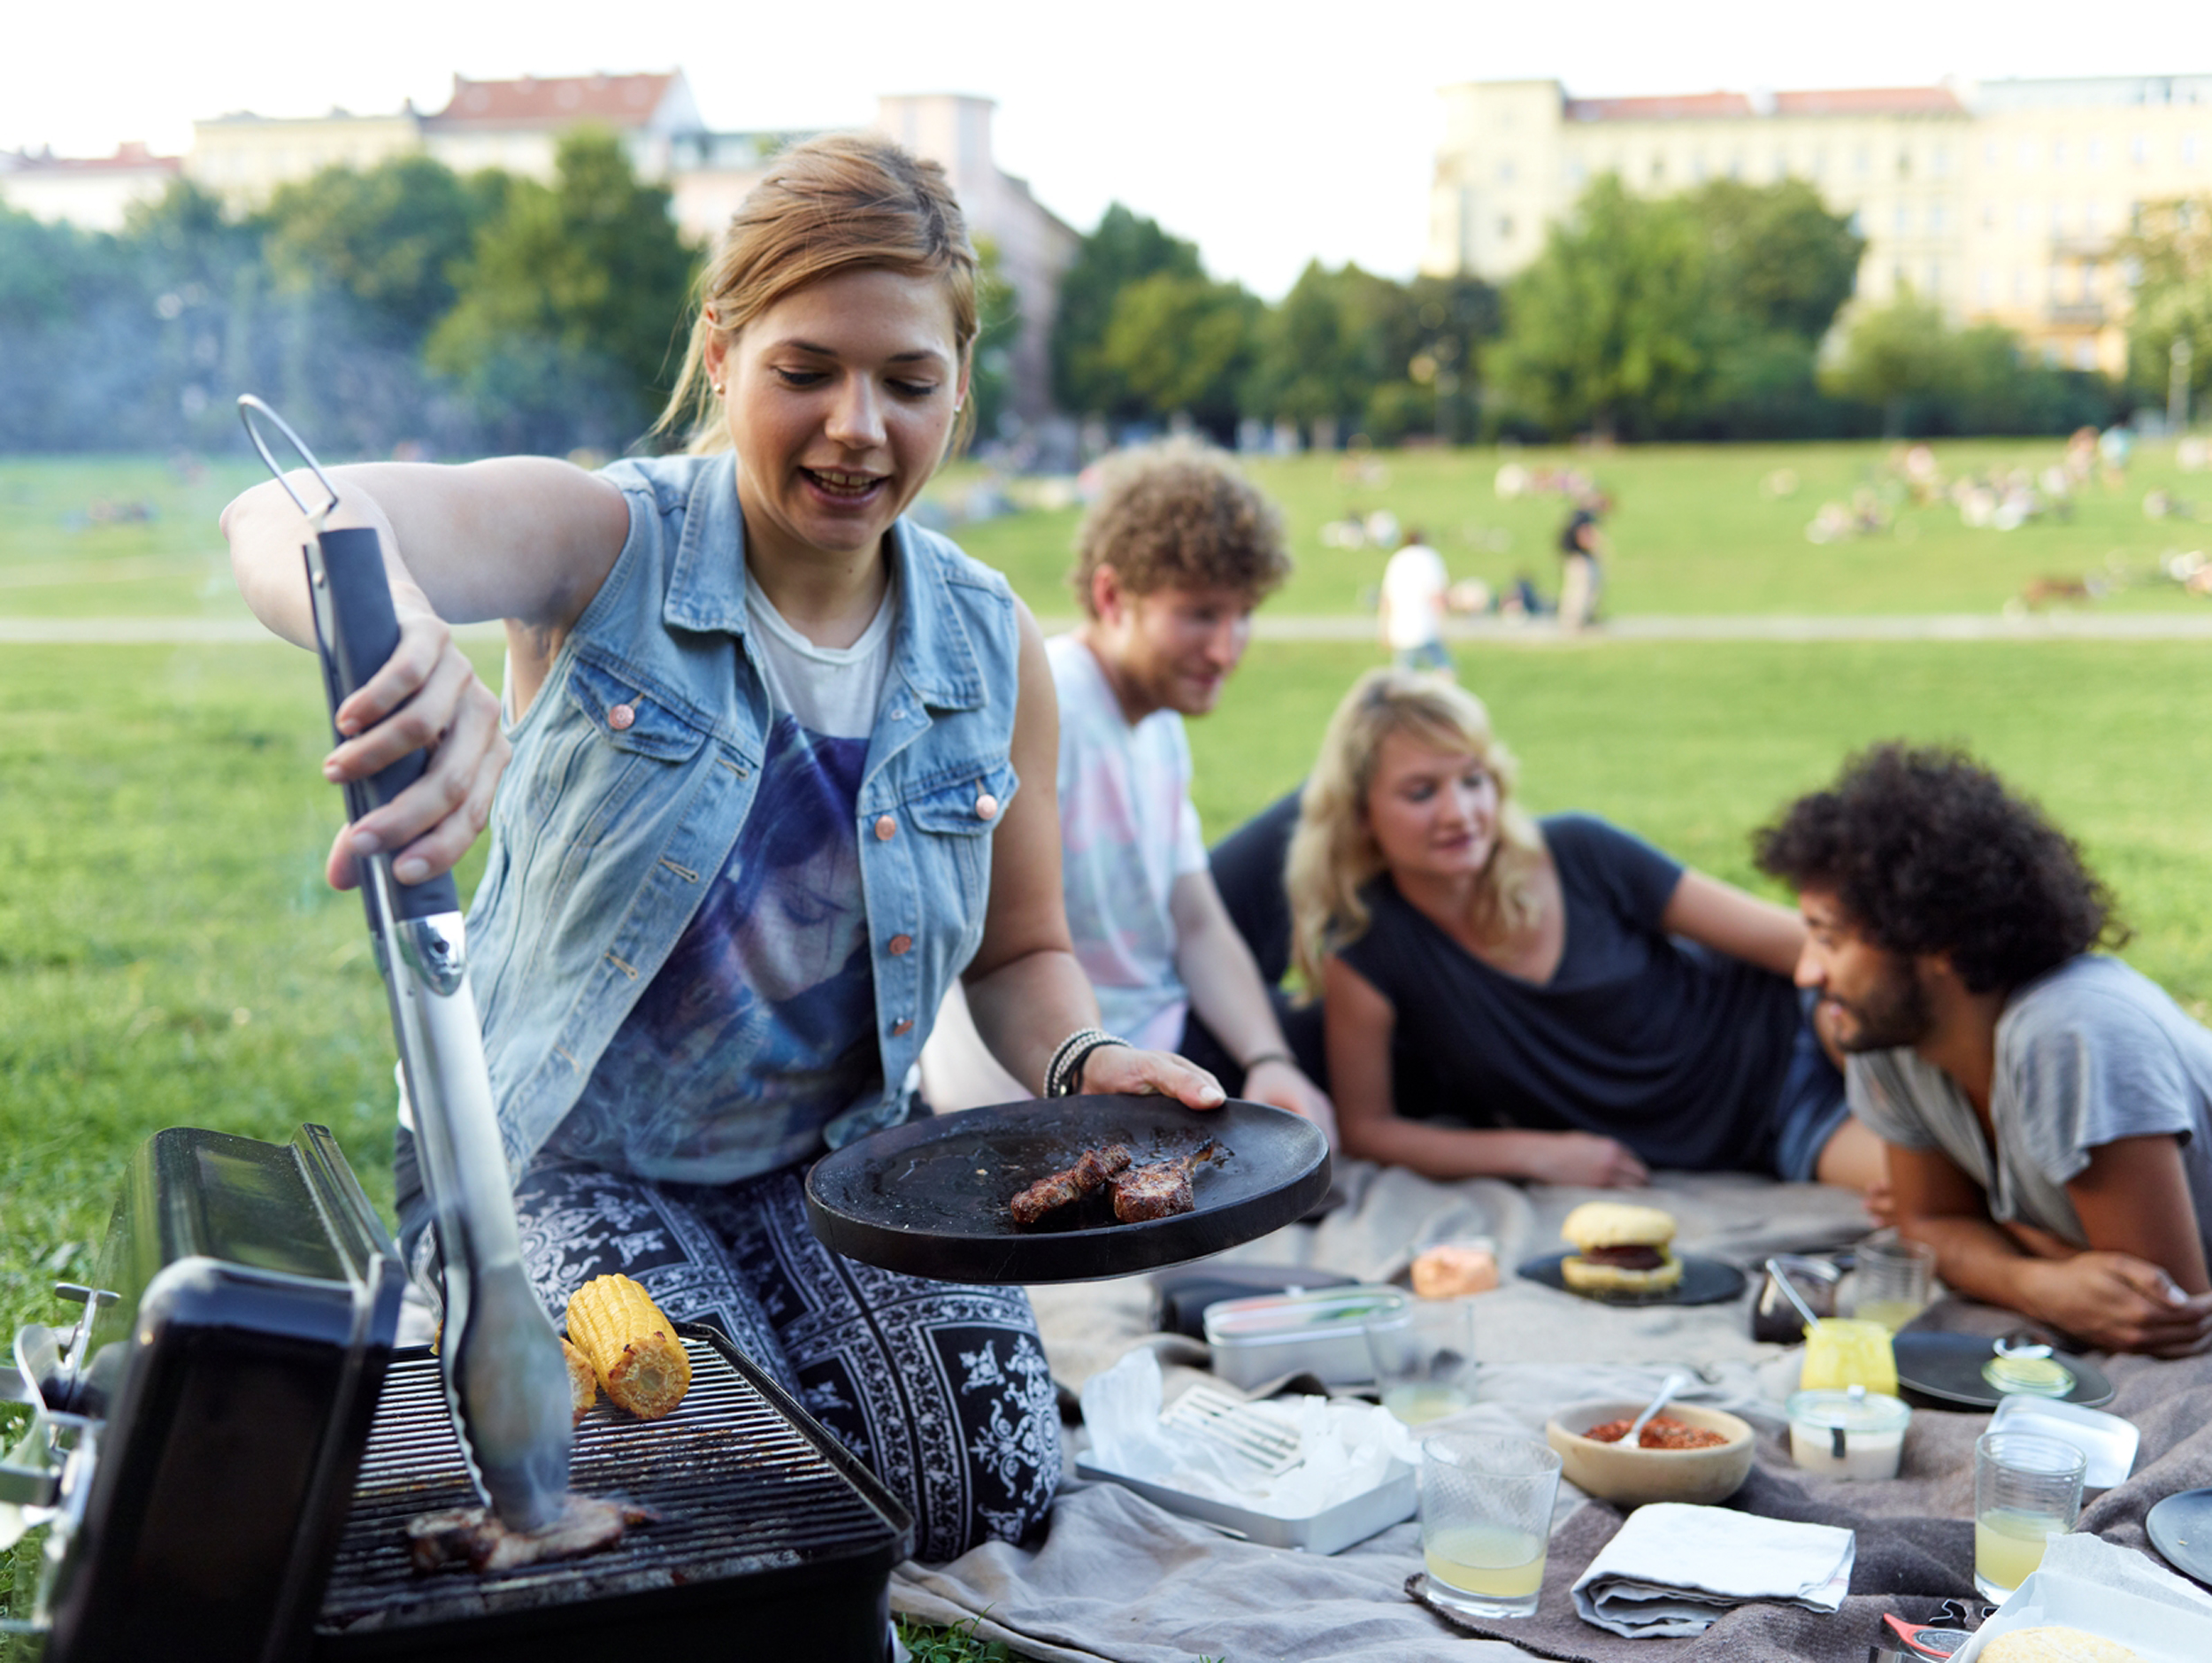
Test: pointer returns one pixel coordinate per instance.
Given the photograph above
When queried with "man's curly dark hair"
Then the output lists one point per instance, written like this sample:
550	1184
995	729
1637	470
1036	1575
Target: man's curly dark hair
1179	515
1928	852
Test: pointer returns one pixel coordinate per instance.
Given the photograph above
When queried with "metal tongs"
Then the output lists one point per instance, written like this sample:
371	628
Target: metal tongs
506	1383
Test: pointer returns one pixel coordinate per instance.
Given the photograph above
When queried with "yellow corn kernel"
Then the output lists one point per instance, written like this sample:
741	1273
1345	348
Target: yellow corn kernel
634	1350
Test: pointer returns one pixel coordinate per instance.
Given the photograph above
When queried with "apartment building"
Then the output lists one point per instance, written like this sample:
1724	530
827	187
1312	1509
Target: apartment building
2002	200
95	192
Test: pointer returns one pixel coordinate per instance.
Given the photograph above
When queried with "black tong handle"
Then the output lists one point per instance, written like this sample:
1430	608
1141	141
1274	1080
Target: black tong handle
364	632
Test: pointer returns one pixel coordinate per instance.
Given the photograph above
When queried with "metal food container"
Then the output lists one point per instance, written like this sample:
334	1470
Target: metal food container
1322	1332
1330	1530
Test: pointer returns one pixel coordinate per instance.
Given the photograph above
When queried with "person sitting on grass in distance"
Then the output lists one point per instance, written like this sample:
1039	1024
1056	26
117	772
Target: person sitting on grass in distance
1171	561
2044	1106
1551	1000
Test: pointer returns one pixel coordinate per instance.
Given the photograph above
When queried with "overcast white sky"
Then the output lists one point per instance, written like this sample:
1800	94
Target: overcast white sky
1267	134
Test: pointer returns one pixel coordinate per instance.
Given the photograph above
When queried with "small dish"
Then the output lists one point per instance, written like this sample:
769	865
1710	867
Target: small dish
2108	1441
1629	1475
1849	1435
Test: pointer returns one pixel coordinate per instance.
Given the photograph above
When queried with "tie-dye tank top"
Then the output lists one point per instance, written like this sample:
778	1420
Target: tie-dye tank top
760	1027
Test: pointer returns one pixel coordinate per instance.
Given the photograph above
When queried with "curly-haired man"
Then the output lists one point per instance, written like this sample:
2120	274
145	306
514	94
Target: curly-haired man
1176	552
2046	1107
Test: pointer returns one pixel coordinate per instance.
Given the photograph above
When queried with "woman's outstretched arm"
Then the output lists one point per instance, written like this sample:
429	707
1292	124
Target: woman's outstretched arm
522	538
1726	918
1360	1024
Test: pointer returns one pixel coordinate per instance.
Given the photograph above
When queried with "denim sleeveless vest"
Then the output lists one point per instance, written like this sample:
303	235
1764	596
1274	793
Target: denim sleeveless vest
636	765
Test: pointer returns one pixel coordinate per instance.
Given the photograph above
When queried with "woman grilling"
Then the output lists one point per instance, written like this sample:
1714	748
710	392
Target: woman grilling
1556	1000
767	743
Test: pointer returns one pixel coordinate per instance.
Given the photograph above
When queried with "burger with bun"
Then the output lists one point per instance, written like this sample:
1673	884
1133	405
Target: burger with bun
1619	1250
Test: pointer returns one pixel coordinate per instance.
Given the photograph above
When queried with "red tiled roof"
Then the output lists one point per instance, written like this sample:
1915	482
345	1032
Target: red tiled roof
128	158
1871	101
619	101
1839	100
1666	107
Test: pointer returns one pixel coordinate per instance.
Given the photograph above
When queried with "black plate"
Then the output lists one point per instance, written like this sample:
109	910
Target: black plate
929	1197
1704	1281
1948	1368
2180	1528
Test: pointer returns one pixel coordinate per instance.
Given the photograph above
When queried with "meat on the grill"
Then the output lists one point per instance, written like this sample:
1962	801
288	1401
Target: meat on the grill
1092	1168
1160	1190
475	1537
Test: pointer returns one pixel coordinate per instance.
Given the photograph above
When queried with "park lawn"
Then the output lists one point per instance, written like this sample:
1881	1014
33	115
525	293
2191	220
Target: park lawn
68	549
1695	531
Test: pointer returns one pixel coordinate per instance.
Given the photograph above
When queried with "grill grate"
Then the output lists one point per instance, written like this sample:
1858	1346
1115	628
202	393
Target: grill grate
744	1494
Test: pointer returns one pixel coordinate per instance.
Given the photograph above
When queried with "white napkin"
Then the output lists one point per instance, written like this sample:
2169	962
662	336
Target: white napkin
1673	1569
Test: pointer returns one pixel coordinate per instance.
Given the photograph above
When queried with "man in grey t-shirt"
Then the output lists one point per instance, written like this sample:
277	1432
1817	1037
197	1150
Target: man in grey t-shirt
2047	1110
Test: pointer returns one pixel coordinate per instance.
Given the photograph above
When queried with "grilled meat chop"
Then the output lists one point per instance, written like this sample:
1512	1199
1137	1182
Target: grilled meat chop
1160	1190
475	1537
1092	1168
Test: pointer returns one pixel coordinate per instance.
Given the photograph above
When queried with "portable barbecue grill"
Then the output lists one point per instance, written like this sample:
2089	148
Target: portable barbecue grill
229	1445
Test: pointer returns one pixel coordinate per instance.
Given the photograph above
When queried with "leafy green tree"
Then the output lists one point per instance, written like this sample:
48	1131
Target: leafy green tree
1896	356
1125	249
1777	257
568	322
998	325
2170	253
1610	327
1181	344
78	334
390	238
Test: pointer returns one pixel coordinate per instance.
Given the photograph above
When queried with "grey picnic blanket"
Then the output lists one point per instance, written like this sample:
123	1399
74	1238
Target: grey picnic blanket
1117	1580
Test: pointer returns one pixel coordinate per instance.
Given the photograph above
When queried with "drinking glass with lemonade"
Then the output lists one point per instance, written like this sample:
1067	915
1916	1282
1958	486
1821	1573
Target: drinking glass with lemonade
1424	1358
1485	1520
2027	1490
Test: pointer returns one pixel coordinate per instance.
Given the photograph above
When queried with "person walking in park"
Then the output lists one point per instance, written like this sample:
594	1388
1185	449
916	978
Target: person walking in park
1172	560
1581	573
1415	591
1554	1000
769	744
2047	1110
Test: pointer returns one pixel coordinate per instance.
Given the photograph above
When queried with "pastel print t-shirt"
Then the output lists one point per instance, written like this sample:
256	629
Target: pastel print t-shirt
760	1027
1127	831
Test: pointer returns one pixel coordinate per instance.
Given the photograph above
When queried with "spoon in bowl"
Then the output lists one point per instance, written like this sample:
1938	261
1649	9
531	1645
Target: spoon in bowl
1673	1383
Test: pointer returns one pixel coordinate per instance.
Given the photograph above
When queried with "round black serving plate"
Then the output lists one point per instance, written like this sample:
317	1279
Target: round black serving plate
1704	1281
2180	1528
930	1197
1946	1368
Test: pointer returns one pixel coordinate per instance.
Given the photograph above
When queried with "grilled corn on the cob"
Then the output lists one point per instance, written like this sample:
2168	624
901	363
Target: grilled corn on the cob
583	1382
633	1349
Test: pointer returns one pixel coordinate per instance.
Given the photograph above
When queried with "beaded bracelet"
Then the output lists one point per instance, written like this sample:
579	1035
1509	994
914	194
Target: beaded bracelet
1064	1074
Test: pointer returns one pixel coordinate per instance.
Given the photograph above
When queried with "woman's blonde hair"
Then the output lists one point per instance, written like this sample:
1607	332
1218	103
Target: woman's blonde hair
1334	855
841	202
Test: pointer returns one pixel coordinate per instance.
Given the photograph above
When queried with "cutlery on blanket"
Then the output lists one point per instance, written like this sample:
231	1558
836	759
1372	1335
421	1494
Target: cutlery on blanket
1673	1383
1235	1427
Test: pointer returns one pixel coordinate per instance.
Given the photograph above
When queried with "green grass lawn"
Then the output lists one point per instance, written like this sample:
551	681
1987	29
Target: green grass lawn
1694	530
169	955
